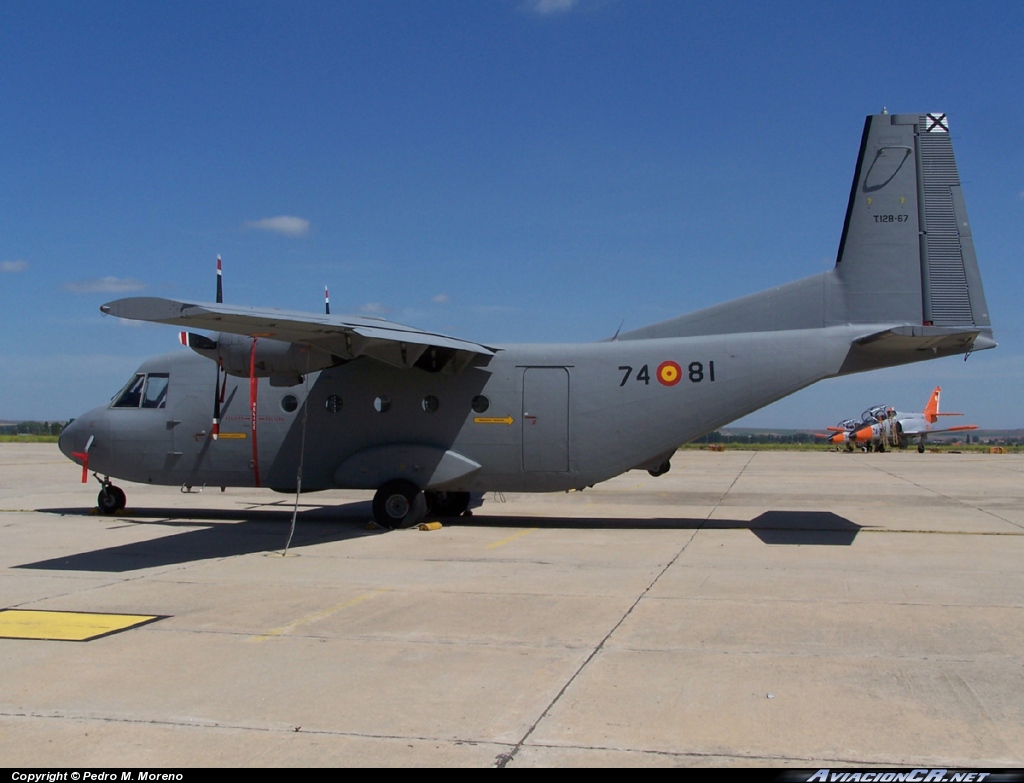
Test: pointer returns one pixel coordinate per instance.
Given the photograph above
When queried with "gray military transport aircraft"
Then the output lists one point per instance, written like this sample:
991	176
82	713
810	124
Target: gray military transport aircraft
320	401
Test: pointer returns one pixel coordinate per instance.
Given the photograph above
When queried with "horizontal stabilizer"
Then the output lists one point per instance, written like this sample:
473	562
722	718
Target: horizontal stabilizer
903	344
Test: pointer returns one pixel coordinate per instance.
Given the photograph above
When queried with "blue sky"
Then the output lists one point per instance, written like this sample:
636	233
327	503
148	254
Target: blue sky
503	171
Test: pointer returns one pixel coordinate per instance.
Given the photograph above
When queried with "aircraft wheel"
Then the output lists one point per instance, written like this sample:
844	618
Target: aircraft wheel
111	500
920	448
881	448
662	469
398	503
447	504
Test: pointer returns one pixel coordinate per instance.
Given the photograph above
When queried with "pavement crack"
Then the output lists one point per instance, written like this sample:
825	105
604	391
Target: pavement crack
943	495
504	759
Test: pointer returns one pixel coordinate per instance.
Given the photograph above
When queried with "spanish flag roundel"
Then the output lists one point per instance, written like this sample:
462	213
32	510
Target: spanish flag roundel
669	373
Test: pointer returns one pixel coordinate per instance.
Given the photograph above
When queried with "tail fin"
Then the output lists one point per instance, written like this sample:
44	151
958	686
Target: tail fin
931	410
906	258
906	252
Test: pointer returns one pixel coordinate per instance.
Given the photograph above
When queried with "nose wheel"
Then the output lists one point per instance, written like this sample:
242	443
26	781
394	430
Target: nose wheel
111	499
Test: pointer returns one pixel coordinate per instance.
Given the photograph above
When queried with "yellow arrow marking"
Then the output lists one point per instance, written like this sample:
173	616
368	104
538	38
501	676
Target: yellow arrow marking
493	420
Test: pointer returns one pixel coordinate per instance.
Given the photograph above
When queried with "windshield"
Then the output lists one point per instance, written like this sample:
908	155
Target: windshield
146	391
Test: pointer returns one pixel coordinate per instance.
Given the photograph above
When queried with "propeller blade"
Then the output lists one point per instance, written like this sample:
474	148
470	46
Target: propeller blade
253	391
215	426
218	393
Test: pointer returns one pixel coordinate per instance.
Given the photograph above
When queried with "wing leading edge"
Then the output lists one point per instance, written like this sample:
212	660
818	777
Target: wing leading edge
346	337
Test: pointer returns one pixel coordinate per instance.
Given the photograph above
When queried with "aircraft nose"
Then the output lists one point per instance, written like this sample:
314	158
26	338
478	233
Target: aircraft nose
66	441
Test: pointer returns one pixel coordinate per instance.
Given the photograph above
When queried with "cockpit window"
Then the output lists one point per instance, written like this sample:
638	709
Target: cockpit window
143	391
131	394
156	390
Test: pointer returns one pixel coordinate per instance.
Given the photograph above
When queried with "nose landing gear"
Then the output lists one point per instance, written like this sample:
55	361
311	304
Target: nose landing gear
111	498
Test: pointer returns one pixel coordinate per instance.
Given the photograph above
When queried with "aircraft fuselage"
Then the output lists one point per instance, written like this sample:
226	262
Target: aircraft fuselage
532	417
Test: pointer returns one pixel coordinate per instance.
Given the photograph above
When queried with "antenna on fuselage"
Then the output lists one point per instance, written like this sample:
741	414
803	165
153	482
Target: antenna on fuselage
327	302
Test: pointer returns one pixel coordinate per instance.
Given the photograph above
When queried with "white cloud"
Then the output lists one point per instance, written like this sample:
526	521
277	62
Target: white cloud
441	299
13	266
551	6
373	308
282	224
108	285
493	309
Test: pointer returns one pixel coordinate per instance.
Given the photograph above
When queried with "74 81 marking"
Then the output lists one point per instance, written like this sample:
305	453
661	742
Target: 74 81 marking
669	373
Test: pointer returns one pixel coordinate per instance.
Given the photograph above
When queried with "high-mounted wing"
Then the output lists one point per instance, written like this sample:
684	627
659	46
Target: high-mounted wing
346	337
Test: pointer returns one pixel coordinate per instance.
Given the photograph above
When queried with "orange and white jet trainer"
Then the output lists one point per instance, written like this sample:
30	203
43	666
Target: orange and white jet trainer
882	426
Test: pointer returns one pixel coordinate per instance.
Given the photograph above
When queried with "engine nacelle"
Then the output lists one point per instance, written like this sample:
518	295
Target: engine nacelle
283	362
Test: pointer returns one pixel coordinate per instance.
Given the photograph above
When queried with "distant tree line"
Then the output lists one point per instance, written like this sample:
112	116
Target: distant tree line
32	428
792	437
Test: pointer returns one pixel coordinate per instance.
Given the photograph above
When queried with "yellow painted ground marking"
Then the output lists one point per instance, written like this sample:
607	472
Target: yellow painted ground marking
66	626
312	618
513	537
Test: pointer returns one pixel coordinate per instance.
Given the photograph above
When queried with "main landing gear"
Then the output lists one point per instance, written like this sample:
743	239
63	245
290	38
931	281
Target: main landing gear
111	499
448	504
401	503
398	503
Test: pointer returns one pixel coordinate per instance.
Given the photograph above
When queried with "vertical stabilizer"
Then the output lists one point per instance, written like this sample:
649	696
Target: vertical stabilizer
906	260
931	410
906	252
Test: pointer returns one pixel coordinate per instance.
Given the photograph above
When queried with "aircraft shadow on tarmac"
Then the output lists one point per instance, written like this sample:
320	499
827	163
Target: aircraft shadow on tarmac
211	534
793	528
218	533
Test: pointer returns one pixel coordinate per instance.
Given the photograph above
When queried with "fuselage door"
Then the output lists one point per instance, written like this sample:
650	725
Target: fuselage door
191	423
546	419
